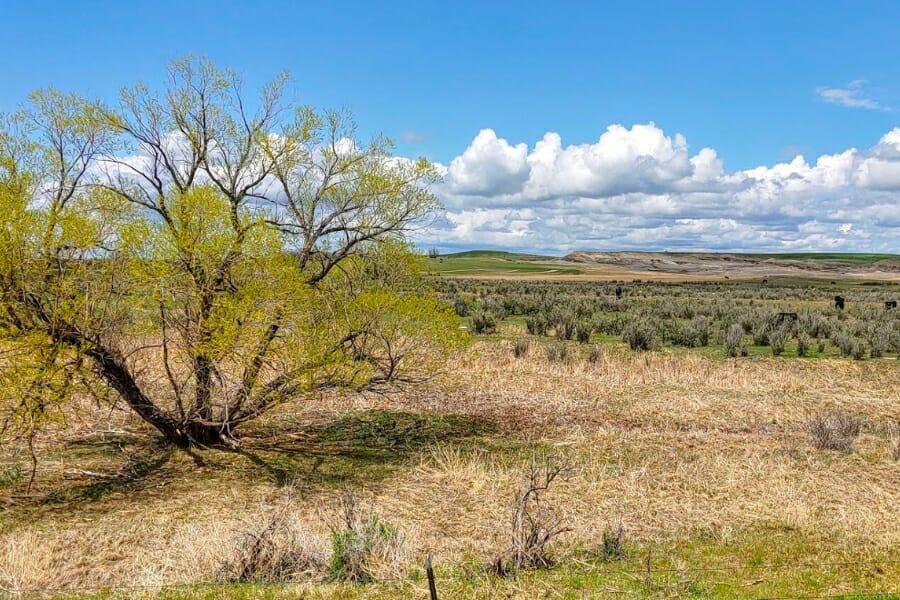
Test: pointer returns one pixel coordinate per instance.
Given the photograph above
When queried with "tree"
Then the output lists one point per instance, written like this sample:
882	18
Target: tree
201	261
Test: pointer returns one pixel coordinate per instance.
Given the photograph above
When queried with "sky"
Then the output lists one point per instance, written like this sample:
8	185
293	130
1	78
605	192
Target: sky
599	125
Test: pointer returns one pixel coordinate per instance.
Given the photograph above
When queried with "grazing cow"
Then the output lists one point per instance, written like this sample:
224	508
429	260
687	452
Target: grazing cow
839	302
765	281
787	316
619	291
890	304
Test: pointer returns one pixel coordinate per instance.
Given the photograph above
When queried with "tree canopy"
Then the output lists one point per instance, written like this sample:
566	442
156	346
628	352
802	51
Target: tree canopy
200	256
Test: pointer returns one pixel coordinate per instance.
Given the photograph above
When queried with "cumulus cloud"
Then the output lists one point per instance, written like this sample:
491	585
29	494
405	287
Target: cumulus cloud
852	95
641	188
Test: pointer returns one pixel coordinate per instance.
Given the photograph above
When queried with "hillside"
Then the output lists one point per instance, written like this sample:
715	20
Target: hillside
746	265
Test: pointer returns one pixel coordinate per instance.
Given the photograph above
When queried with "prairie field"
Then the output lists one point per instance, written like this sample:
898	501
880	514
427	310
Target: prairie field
681	474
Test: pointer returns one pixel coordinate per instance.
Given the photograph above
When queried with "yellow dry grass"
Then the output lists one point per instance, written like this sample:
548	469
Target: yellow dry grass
673	446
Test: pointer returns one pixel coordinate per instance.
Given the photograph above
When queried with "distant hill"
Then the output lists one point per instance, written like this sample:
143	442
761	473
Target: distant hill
743	265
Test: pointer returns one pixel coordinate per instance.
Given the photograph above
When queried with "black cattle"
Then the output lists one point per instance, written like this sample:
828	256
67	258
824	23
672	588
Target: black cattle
890	304
839	302
765	282
787	316
619	291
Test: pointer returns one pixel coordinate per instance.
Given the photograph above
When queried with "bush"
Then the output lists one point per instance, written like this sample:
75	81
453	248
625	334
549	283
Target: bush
536	324
595	353
461	307
701	328
778	339
558	353
734	341
803	344
484	323
520	348
613	548
564	325
835	431
272	552
534	523
583	331
640	336
362	545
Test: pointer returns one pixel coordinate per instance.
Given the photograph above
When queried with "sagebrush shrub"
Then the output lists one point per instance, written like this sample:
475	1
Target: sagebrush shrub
613	547
362	544
484	323
560	353
520	348
640	336
734	341
834	431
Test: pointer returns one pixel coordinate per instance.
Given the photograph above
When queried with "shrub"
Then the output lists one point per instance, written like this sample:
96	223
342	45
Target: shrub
536	324
778	339
583	331
595	353
484	322
534	523
272	552
613	548
734	341
558	353
701	328
362	544
640	336
761	336
835	431
461	307
564	325
803	344
520	348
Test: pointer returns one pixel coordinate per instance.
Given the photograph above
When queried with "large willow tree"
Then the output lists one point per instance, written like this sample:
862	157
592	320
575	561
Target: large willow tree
200	257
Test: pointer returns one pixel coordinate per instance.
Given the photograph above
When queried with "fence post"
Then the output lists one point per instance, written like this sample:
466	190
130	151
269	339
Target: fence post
429	572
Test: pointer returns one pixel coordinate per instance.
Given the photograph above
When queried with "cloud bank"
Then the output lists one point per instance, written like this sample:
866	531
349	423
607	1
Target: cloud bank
639	188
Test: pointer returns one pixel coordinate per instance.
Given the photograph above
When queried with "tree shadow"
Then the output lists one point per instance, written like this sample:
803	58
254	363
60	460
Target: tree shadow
145	459
358	446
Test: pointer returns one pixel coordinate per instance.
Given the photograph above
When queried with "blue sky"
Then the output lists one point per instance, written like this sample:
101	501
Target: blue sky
758	82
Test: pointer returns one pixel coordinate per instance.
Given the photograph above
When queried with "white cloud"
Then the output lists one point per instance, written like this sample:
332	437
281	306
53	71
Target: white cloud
489	165
852	95
639	188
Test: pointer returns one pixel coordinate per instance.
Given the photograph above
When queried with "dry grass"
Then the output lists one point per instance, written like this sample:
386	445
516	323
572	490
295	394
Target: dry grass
676	448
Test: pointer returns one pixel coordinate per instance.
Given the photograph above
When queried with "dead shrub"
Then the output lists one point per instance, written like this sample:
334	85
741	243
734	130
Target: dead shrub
273	551
534	523
834	431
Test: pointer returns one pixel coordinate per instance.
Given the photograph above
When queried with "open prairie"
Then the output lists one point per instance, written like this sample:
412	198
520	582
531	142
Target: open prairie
682	473
666	266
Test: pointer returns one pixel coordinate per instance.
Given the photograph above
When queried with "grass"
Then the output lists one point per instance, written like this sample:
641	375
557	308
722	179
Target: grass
705	462
498	264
